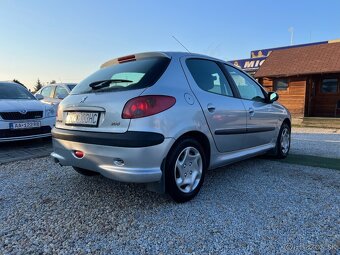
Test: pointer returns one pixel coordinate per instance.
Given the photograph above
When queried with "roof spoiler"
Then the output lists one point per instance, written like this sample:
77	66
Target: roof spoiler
133	58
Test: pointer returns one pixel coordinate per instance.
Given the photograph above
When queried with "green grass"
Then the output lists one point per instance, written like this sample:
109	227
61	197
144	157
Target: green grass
307	160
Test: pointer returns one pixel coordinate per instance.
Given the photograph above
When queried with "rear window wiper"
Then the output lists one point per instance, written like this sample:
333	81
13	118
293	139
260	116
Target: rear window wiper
105	83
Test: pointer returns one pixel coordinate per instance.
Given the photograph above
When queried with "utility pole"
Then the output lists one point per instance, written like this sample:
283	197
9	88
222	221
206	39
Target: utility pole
291	31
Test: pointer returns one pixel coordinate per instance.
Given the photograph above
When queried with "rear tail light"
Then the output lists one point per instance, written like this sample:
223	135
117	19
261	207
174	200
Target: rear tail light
144	106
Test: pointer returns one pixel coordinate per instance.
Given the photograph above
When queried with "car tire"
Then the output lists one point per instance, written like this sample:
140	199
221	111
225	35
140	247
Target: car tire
85	171
185	170
283	142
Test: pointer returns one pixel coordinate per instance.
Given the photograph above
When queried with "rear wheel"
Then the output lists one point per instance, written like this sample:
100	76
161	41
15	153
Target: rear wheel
283	141
185	170
85	171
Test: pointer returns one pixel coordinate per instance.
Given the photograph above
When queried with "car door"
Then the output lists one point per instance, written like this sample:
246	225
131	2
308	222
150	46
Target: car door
225	114
262	118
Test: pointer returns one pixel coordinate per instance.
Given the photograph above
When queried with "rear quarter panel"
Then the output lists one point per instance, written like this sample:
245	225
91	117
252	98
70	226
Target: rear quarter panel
185	116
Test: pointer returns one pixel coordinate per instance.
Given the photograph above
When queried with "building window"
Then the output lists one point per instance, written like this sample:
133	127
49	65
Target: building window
281	84
329	85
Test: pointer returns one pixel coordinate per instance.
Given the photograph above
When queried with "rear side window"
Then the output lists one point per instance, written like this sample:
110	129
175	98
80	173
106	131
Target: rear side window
46	92
71	86
60	92
209	76
130	75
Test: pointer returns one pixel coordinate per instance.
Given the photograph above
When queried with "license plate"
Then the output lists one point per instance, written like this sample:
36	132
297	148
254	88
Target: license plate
25	125
82	119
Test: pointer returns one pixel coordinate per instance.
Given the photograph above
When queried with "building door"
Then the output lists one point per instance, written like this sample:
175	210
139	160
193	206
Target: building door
310	94
324	96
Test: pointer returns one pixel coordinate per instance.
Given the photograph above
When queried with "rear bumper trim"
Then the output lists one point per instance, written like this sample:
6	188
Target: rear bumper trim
132	139
136	175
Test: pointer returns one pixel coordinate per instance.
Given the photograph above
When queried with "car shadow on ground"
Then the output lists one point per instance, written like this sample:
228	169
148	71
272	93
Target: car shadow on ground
26	144
100	188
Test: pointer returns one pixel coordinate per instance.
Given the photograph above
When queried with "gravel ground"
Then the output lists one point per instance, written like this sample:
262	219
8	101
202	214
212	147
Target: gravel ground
257	206
316	142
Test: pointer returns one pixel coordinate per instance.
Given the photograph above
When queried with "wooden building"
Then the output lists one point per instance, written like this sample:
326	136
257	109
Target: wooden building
306	78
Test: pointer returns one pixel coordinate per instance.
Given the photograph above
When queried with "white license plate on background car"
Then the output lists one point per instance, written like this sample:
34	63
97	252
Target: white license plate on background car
25	125
82	119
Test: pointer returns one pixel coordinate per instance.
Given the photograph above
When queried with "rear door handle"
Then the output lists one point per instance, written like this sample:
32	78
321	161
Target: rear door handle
211	107
251	111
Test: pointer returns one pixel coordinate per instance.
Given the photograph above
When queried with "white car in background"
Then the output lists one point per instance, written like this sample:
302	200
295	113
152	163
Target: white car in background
54	93
22	116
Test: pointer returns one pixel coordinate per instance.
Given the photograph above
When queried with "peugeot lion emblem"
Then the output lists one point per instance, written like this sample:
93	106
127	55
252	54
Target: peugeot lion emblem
23	111
83	99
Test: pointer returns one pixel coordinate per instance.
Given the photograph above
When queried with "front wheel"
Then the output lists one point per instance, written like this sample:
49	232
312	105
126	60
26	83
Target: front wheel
283	141
185	170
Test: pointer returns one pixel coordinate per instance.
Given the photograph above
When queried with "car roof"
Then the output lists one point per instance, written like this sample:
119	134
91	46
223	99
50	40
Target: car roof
12	83
168	54
61	84
7	82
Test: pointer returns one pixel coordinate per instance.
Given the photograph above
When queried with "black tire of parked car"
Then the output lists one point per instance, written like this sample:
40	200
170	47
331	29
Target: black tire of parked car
170	178
278	153
85	171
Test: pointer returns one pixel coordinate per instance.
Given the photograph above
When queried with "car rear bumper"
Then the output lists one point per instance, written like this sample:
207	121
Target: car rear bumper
140	164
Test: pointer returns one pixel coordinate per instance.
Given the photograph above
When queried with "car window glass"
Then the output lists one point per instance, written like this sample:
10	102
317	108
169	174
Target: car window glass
138	74
71	86
60	92
14	91
248	88
209	76
134	77
46	92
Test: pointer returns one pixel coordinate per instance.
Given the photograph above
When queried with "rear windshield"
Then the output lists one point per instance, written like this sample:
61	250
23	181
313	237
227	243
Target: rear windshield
125	76
14	91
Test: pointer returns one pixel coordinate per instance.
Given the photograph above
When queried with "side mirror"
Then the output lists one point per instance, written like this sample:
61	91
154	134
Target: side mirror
272	97
39	96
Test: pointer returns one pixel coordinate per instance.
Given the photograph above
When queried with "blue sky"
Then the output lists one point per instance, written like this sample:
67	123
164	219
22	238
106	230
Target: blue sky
66	40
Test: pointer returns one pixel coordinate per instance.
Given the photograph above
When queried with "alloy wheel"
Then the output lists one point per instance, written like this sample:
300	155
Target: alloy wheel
285	140
188	169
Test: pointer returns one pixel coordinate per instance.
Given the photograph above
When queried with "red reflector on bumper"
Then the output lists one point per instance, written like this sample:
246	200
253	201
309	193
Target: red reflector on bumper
79	154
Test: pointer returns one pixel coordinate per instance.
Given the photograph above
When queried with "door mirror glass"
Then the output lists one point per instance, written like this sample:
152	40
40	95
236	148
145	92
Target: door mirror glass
273	96
39	96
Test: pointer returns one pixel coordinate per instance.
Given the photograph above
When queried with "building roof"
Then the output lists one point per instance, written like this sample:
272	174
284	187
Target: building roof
323	58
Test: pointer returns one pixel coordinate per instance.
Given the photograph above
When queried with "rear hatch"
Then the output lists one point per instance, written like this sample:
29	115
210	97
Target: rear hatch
96	103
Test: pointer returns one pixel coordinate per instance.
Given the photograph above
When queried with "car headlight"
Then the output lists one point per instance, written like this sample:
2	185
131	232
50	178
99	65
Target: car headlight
50	112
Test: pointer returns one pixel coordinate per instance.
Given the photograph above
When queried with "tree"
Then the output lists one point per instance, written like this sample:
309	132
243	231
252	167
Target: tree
38	85
53	82
18	82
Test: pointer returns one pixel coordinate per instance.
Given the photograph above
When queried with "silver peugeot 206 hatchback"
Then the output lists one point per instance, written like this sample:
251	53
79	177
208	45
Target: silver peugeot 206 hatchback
165	118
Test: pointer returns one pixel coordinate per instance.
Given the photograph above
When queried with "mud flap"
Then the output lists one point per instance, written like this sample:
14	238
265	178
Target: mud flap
158	187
